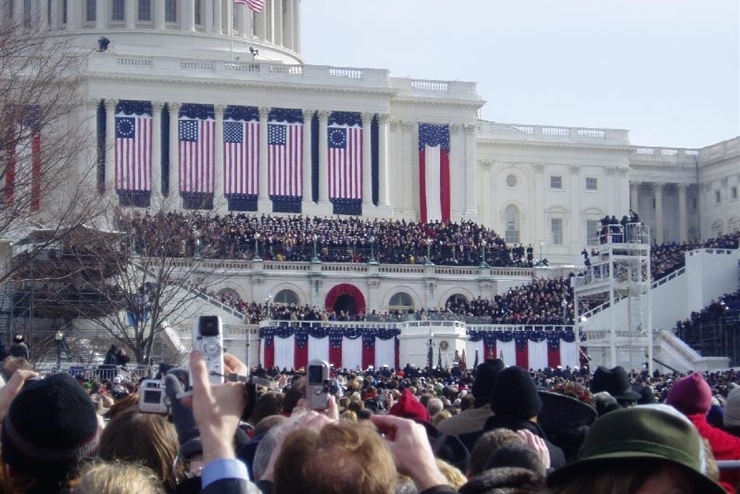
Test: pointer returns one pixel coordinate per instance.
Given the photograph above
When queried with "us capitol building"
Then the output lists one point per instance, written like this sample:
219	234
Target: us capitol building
198	79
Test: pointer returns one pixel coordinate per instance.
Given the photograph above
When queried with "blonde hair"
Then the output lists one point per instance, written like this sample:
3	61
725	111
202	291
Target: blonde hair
454	476
118	478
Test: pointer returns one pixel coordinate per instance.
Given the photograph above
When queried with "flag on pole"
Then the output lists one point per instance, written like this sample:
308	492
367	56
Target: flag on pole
475	363
255	5
434	172
241	157
133	153
285	155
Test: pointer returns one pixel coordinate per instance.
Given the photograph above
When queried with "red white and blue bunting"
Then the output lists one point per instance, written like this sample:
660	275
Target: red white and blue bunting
361	348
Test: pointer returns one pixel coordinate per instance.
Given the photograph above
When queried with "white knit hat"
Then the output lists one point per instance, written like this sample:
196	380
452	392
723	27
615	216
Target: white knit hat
732	409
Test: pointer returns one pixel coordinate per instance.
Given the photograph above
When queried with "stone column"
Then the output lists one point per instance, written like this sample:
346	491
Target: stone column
307	189
288	28
540	228
129	14
683	225
575	201
187	15
297	26
218	175
634	197
102	15
323	157
17	18
229	15
157	148
43	13
73	15
174	176
208	18
110	143
260	24
269	11
407	164
277	15
240	13
218	16
471	164
54	16
367	160
382	158
658	196
263	193
159	16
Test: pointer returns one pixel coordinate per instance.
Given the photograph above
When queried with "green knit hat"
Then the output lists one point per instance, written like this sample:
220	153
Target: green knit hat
657	432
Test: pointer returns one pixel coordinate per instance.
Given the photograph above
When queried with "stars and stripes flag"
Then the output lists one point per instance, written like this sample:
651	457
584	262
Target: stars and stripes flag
285	156
255	5
345	162
434	172
133	152
241	157
196	148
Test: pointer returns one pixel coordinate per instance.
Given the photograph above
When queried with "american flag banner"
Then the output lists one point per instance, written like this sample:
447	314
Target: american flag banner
434	172
196	131
22	146
133	153
255	5
241	157
345	156
285	153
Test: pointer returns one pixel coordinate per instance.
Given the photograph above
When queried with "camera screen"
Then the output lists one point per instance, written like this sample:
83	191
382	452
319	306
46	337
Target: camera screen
152	396
315	374
209	326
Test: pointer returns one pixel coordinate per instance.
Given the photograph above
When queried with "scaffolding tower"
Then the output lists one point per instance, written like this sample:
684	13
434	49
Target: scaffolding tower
615	290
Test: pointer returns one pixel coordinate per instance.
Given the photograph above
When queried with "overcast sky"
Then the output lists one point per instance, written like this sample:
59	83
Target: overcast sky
666	70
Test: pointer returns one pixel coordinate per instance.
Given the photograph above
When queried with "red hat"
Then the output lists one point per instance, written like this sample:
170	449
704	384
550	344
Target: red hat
690	395
409	407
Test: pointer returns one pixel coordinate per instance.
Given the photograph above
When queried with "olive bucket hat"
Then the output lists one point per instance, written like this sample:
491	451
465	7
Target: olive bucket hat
656	432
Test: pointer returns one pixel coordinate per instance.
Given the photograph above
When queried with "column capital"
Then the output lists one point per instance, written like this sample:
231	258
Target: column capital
577	168
485	164
469	128
383	118
454	128
393	124
307	114
94	101
681	185
539	167
367	117
623	170
157	105
219	110
174	107
110	104
658	185
324	114
406	125
264	111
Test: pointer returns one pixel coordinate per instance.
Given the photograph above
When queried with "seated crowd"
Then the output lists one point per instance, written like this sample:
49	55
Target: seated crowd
489	429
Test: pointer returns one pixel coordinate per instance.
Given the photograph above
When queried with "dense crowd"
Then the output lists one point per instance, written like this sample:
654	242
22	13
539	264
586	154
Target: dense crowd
301	238
670	256
488	429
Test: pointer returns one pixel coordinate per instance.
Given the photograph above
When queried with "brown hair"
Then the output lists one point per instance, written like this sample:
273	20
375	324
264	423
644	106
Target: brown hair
146	438
118	478
487	444
270	403
342	457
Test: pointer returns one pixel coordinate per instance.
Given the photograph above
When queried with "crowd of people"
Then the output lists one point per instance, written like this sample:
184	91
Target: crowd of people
303	238
489	429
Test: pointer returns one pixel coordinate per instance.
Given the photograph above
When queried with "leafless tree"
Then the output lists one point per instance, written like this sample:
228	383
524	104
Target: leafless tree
48	169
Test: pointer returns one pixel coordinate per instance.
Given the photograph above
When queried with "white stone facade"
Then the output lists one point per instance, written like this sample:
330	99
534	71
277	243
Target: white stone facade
541	185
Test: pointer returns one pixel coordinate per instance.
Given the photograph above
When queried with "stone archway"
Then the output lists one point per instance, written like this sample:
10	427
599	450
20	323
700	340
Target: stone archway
345	297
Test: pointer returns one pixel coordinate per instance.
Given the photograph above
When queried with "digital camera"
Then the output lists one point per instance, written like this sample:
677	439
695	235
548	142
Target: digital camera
317	384
208	340
152	397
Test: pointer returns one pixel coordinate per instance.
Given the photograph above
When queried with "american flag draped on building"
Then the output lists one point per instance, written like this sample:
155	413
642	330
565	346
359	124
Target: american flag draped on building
133	153
241	157
22	147
434	172
196	129
285	153
345	156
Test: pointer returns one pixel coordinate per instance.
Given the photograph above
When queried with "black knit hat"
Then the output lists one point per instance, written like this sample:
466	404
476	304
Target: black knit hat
515	394
49	427
485	376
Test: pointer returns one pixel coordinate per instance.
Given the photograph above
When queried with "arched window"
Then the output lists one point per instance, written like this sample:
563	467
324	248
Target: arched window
401	301
733	225
511	218
286	297
455	300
